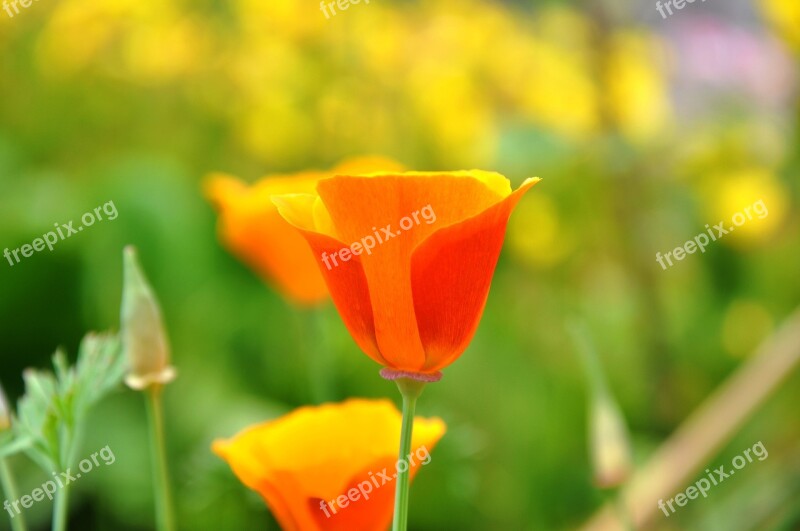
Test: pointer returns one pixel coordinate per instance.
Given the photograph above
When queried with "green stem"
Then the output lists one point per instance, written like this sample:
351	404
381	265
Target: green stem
10	488
165	517
60	509
319	353
316	361
410	389
622	509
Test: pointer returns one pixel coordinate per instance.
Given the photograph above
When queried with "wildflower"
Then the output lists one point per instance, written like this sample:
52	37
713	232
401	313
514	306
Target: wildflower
335	482
411	299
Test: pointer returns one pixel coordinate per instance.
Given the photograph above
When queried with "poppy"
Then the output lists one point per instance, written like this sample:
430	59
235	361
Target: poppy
408	258
251	228
329	467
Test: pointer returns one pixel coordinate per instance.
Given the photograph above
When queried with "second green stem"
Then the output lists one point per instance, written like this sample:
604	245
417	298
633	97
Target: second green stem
10	488
165	517
61	509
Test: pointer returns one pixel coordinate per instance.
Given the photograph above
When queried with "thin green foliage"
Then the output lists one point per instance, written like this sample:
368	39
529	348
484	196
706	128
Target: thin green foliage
52	412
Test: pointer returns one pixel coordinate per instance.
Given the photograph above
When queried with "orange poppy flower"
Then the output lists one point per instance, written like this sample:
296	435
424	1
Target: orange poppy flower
408	258
251	228
329	467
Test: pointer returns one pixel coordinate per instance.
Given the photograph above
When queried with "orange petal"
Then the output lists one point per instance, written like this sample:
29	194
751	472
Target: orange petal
363	208
451	272
346	282
251	228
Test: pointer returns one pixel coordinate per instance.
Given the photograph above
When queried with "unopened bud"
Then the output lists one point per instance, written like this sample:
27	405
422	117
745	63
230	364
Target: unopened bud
142	330
611	450
5	414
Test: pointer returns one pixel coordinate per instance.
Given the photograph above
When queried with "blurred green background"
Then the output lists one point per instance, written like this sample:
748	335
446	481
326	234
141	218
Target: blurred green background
644	129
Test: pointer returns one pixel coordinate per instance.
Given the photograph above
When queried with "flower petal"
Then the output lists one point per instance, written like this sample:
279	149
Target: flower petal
346	283
373	207
252	229
288	464
451	272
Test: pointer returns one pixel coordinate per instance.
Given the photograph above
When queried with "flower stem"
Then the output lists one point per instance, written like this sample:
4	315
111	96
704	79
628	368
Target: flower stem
616	498
624	514
410	390
60	509
10	488
165	518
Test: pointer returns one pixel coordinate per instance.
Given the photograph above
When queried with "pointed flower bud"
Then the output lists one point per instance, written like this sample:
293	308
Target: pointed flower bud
5	415
611	449
609	440
142	329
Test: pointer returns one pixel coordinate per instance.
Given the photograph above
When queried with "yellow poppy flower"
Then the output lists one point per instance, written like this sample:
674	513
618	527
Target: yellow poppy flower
329	467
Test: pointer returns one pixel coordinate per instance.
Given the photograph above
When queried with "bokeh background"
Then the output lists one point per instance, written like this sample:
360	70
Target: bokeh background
644	129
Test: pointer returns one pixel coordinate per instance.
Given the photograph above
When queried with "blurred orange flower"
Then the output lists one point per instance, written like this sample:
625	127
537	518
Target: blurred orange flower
251	228
413	303
312	483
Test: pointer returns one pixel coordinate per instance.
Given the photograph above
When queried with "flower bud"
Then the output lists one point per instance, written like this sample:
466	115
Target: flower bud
611	450
5	415
144	340
609	441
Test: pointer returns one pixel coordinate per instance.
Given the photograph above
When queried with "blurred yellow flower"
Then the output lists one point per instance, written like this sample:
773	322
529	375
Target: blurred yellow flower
276	129
536	236
317	468
145	41
467	68
455	112
785	16
541	67
556	91
636	86
290	19
733	193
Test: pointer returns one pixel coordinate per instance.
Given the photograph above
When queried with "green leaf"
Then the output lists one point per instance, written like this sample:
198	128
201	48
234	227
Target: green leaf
10	445
54	408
